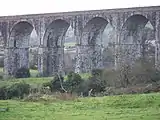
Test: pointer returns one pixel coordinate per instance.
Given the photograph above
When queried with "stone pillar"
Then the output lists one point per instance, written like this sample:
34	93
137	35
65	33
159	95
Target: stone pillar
61	54
118	30
78	59
78	34
41	49
6	62
117	50
61	60
82	59
157	36
88	57
40	60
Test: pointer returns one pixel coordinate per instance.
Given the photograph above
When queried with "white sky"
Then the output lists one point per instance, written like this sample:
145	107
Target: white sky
18	7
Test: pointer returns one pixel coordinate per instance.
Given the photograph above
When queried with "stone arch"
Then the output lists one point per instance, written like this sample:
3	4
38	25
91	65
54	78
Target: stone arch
20	34
18	47
58	28
91	44
92	29
53	41
137	35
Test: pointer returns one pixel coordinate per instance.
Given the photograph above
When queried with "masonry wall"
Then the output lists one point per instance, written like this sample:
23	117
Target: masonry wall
88	55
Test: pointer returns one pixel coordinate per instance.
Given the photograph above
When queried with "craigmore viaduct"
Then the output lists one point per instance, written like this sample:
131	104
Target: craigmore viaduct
131	34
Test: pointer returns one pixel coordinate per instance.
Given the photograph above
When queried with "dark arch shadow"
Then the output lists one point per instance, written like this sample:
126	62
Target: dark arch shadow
92	29
19	32
54	43
137	35
92	57
18	47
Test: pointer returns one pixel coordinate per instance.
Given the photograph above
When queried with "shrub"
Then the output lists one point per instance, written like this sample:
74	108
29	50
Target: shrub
155	76
57	83
18	90
111	78
1	76
96	84
3	93
22	73
1	61
84	88
15	90
143	74
73	82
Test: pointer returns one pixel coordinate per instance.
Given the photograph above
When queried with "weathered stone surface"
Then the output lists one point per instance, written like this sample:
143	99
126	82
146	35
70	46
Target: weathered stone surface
130	37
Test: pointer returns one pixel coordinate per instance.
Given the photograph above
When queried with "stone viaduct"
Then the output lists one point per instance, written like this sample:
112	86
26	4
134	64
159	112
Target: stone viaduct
128	25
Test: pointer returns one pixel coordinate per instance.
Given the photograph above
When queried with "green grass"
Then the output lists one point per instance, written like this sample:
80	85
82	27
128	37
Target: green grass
1	70
33	80
129	107
34	73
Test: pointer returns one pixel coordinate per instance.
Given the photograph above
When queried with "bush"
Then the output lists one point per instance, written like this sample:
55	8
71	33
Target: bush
3	93
18	90
143	74
56	83
15	90
1	61
96	84
111	78
73	82
22	73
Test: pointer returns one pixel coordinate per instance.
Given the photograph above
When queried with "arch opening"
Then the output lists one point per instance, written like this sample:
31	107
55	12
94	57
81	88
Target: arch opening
33	53
54	43
109	41
137	42
93	43
69	51
18	47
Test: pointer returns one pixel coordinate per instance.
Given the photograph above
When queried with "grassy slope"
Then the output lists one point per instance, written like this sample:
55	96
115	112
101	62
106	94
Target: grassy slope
130	107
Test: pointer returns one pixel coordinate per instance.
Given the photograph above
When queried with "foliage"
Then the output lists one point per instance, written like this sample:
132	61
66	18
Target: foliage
141	73
34	81
1	61
56	83
73	82
22	73
3	93
16	90
96	84
30	81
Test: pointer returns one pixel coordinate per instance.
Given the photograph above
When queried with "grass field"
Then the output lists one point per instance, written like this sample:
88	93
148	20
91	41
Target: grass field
33	80
129	107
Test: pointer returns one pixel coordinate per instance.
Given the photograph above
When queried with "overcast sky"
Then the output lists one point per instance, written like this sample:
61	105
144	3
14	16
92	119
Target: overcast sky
18	7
